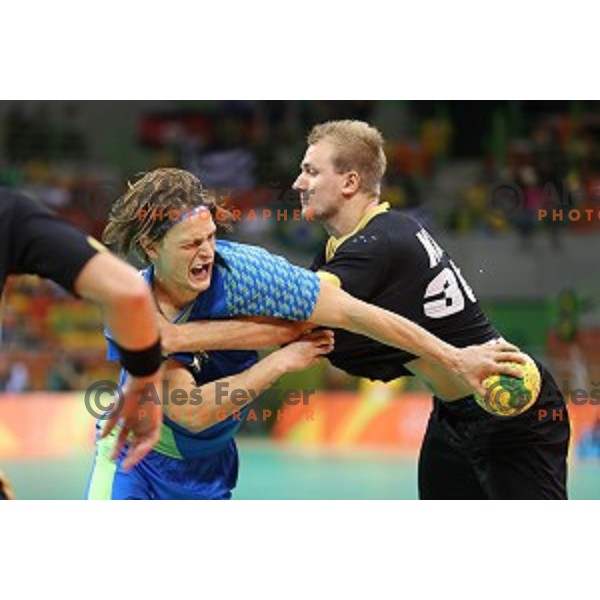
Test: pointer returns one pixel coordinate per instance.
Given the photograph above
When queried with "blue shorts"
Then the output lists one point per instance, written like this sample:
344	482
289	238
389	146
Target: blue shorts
160	477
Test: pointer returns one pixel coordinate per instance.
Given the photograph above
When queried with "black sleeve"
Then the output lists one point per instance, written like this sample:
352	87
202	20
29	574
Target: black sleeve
361	264
43	245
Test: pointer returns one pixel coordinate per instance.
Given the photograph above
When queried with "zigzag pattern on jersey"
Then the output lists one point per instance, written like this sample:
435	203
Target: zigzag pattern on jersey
258	283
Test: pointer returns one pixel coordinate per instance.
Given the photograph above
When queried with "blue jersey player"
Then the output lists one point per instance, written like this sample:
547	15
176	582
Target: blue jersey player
167	221
193	459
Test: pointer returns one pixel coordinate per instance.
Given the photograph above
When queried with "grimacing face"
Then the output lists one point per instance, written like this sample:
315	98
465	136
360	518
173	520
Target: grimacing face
184	257
319	184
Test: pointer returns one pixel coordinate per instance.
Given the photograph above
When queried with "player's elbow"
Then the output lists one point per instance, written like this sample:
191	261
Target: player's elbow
353	315
347	313
350	314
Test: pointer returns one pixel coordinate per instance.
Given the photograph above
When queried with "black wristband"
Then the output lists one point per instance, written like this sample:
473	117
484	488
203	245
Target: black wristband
141	363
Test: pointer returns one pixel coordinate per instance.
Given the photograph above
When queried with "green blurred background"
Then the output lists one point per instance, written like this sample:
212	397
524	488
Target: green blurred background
269	472
475	173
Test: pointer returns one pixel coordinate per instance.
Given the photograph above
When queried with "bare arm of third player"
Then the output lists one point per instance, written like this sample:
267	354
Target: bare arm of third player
35	241
335	308
129	313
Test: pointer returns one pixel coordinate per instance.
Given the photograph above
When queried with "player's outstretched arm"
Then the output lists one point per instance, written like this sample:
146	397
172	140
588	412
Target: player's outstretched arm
251	333
336	308
41	243
215	401
129	313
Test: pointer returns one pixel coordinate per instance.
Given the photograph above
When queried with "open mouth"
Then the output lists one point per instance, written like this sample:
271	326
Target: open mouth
201	272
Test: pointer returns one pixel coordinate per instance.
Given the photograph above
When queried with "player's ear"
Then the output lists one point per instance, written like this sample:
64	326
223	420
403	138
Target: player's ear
351	182
150	248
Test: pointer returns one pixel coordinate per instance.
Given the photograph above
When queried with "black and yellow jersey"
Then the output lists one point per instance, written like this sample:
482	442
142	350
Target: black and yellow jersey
34	241
390	260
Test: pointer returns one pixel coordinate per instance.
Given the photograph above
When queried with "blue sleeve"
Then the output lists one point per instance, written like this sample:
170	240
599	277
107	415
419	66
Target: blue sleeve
259	283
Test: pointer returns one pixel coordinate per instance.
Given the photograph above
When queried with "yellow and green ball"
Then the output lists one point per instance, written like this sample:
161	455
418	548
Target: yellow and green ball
508	396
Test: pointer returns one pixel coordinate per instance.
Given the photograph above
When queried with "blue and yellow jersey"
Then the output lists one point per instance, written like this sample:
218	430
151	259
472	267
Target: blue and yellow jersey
246	281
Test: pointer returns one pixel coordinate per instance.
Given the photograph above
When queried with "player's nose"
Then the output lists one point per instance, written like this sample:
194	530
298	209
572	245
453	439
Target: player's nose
206	251
297	186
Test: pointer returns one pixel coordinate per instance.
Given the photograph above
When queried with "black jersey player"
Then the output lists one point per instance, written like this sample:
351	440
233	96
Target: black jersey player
390	260
368	267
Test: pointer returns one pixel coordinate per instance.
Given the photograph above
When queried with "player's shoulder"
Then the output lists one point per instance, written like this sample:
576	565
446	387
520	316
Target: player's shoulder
14	203
237	254
24	221
234	256
228	249
394	222
7	199
389	230
401	231
7	206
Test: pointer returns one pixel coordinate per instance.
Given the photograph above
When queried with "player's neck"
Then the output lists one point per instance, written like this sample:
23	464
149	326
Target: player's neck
347	219
170	298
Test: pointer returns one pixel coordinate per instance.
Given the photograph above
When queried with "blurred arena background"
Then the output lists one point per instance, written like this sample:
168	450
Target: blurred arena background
479	174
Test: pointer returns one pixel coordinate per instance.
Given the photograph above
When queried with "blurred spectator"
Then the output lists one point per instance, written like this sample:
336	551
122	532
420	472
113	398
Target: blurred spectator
66	374
72	143
17	330
525	219
18	130
227	162
14	377
32	132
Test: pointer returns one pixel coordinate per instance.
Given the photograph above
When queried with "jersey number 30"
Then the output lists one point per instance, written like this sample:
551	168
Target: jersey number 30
444	295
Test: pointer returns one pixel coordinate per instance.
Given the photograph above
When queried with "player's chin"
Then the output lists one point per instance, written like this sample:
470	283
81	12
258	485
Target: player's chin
308	213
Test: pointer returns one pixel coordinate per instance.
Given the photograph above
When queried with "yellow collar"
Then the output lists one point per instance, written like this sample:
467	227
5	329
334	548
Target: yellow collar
334	243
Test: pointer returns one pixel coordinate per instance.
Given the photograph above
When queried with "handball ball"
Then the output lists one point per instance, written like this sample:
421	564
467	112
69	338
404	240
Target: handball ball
508	396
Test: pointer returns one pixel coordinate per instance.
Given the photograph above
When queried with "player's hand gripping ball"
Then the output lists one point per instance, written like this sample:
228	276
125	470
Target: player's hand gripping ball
508	396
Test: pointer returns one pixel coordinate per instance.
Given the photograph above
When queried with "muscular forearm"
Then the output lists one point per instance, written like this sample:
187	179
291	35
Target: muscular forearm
336	308
234	334
221	398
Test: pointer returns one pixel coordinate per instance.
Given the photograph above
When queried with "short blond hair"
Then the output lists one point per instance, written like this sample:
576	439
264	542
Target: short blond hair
358	147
